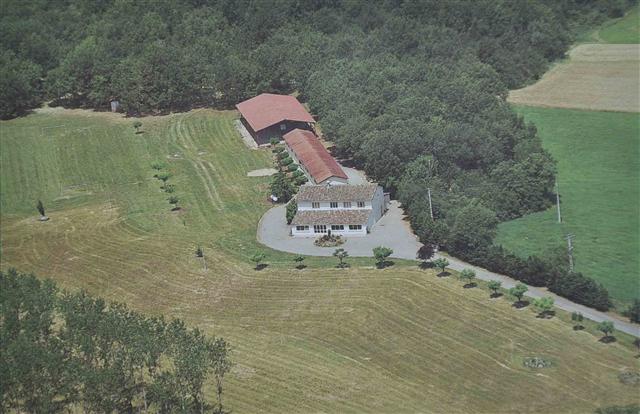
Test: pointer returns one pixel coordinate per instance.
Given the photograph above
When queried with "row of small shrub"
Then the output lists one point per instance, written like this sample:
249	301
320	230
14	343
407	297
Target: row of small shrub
536	271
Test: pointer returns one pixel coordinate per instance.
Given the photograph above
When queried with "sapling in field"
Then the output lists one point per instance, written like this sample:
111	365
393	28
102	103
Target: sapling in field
518	292
137	125
577	318
258	258
173	200
381	254
163	176
606	327
299	259
341	254
40	207
467	275
494	286
544	306
441	263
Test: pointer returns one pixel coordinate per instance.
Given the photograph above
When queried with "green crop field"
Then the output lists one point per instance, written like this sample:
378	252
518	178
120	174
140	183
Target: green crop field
317	340
623	30
598	175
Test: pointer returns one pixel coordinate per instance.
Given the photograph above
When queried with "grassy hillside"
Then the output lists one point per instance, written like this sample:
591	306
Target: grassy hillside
320	340
623	30
598	175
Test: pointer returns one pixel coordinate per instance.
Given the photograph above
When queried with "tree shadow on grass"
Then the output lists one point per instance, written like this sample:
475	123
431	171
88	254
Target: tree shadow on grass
578	328
426	265
546	315
301	266
444	274
386	263
261	266
609	339
520	304
343	265
470	285
496	295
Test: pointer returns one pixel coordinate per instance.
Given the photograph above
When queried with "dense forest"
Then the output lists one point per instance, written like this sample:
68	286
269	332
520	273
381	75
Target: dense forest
69	352
411	91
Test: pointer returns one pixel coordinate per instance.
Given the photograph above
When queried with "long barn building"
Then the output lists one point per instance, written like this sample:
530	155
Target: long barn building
268	116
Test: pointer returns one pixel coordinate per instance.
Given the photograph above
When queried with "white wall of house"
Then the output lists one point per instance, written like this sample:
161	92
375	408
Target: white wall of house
342	230
378	207
326	205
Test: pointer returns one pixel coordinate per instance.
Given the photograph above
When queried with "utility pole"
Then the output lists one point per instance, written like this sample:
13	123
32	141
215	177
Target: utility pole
570	250
430	206
558	202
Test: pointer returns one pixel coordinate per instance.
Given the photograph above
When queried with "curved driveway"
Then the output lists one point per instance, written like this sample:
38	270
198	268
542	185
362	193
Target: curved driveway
393	231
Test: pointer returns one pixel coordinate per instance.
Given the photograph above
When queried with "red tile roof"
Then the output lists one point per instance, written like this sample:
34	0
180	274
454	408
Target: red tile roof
268	109
313	155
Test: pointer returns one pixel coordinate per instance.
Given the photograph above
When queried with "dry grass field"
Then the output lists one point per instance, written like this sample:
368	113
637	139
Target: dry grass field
317	340
599	77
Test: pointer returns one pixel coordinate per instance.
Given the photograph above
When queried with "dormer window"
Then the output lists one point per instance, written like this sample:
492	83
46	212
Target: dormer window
315	204
360	204
346	204
333	204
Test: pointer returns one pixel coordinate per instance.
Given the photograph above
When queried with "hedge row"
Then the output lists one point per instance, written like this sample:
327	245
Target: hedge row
538	272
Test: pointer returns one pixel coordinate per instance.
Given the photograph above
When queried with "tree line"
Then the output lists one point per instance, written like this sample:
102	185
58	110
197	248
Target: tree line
157	56
62	350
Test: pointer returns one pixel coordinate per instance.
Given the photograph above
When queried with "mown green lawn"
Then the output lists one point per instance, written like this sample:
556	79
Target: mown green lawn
598	175
623	30
356	340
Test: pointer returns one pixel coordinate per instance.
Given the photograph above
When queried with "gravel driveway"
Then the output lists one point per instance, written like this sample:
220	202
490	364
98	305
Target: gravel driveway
391	231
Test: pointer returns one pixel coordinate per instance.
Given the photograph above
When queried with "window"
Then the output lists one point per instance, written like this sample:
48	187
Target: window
283	127
333	204
346	204
355	226
319	228
338	227
360	204
315	204
302	228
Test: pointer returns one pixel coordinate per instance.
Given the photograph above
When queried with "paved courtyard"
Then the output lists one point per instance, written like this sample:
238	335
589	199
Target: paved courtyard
391	231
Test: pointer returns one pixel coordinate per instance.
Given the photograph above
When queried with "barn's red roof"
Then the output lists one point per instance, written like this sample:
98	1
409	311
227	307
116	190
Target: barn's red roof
268	109
313	155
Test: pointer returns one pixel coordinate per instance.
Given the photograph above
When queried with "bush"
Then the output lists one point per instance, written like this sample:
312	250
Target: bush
281	187
633	313
297	173
282	154
581	289
292	167
542	272
292	208
381	254
286	161
301	180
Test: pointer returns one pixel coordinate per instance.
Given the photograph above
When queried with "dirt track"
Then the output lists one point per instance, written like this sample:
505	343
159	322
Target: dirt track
601	77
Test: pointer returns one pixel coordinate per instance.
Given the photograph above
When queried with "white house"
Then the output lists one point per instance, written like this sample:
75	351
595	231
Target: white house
346	210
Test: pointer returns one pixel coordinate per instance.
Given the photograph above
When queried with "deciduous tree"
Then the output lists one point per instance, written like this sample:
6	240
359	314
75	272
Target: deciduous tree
441	263
494	286
341	254
381	254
